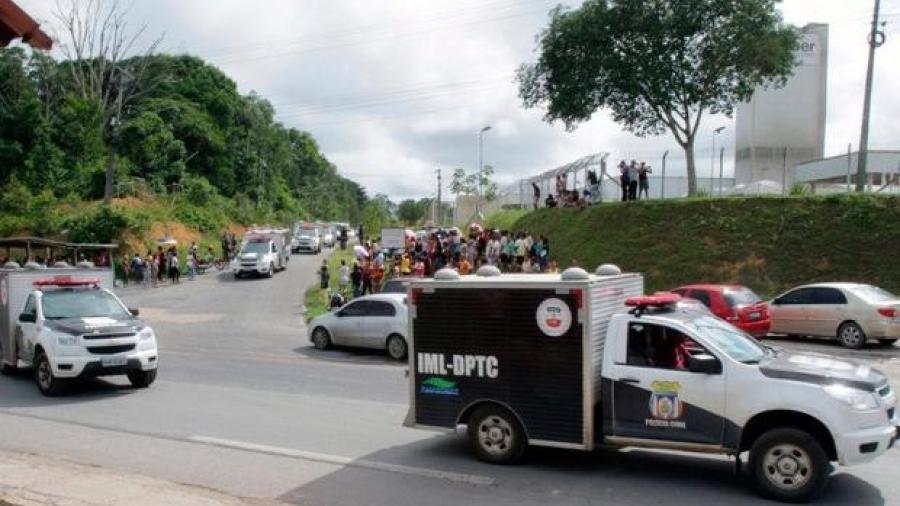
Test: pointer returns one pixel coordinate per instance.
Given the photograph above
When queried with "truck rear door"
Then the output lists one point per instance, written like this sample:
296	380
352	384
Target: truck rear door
655	395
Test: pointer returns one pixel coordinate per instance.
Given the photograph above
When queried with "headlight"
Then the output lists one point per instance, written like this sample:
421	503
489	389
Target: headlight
66	340
858	400
146	333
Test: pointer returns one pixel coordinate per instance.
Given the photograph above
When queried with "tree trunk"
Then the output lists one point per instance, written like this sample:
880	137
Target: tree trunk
110	171
691	167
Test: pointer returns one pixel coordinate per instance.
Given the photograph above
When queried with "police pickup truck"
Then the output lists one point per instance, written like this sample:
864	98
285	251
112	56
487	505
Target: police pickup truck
580	361
68	326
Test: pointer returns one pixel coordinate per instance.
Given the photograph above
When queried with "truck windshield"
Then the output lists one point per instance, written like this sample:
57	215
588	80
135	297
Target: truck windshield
82	304
256	247
733	342
306	232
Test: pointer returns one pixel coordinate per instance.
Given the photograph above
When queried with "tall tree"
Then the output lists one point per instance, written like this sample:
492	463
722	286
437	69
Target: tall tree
410	211
99	44
657	65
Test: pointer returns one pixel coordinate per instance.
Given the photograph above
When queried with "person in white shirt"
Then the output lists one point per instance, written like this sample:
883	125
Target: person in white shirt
343	278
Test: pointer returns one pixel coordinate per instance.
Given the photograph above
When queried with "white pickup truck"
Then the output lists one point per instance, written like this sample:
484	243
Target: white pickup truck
580	361
67	326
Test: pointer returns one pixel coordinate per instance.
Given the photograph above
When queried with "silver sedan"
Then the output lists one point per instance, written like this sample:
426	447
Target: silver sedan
851	312
373	321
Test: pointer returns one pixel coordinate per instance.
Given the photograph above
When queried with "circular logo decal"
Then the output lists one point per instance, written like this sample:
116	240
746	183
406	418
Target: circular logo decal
554	317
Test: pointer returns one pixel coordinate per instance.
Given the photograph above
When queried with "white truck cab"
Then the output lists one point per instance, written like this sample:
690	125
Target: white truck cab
264	251
581	361
71	327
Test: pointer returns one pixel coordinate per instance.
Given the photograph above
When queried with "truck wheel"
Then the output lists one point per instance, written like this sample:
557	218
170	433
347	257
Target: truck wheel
238	275
396	347
496	436
5	368
47	383
851	336
142	379
321	339
789	465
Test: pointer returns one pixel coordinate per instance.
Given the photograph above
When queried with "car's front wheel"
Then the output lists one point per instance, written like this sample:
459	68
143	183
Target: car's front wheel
789	465
47	382
321	339
142	379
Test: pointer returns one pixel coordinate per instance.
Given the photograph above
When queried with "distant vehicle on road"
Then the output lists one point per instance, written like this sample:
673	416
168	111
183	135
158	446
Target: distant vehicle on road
307	238
372	321
261	256
851	312
328	235
738	305
64	325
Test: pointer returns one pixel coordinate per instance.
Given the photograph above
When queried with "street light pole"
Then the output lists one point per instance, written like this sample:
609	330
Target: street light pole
480	168
721	164
662	185
876	40
712	160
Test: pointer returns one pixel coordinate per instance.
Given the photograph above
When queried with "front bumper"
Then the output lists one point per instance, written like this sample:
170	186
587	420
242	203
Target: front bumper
306	247
861	446
87	366
252	269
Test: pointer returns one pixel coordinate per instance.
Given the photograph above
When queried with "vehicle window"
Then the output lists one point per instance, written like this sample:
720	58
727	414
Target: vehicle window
829	296
733	342
394	287
30	306
380	308
702	296
651	345
273	248
254	247
874	294
799	296
355	309
60	304
741	297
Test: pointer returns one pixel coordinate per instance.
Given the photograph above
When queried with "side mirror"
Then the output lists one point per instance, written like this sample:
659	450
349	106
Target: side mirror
704	364
134	311
28	318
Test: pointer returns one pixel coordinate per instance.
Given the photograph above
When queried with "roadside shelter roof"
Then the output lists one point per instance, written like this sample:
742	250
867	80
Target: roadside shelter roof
28	242
16	23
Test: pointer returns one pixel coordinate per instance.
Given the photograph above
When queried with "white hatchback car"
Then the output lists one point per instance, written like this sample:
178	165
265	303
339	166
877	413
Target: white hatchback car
852	312
372	321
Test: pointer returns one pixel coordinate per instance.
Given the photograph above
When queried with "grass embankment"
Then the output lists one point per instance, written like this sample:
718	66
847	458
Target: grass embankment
504	220
315	299
768	244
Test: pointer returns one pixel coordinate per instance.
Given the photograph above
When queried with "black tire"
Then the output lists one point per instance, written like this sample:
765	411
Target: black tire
851	335
887	341
321	339
789	465
496	436
47	383
396	347
142	379
8	370
238	275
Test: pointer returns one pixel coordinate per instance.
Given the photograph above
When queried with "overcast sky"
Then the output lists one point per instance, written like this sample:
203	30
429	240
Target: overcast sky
393	89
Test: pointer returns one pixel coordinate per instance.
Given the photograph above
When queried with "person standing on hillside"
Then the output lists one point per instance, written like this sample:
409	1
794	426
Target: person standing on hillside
126	269
343	278
643	181
537	194
632	180
623	180
356	280
324	275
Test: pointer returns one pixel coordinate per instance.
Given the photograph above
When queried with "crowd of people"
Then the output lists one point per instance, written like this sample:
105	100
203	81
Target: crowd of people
633	179
438	249
155	267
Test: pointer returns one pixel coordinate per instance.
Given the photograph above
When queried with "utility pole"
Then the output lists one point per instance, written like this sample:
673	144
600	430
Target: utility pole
721	164
784	173
662	185
438	218
876	40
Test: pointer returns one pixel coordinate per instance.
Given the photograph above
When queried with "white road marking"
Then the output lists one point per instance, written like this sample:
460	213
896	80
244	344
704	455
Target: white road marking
337	460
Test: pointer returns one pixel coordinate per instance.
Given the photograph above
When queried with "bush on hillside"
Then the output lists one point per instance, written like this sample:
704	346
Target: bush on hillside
101	224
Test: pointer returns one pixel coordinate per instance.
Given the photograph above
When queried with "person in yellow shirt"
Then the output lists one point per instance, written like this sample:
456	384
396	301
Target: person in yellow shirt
404	265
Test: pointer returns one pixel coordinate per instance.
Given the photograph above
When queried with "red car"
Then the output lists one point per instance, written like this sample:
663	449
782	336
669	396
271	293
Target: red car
738	305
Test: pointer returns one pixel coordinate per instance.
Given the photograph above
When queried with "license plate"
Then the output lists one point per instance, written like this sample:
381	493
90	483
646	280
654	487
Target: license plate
755	316
113	361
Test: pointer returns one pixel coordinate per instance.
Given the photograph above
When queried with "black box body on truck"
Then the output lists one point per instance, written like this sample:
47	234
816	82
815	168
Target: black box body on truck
518	341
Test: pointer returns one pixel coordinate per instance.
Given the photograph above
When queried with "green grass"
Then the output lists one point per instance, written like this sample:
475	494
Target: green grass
504	220
315	299
769	244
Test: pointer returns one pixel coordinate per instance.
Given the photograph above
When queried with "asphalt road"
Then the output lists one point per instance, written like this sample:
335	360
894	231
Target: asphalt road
243	404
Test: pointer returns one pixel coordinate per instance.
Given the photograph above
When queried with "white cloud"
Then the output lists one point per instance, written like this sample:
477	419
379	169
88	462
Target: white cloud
416	80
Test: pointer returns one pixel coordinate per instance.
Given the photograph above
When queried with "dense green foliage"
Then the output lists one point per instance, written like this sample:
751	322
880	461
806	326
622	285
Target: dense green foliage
657	65
769	244
190	142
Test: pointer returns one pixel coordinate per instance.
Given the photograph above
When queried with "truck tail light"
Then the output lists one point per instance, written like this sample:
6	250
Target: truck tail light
888	312
416	293
579	298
